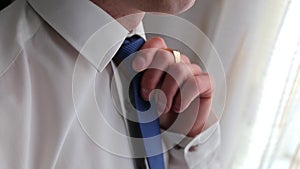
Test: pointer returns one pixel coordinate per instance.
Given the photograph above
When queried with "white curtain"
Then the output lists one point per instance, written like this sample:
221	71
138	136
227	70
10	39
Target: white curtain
260	123
259	47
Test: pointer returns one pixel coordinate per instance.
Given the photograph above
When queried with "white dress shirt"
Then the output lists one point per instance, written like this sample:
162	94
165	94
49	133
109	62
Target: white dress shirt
52	55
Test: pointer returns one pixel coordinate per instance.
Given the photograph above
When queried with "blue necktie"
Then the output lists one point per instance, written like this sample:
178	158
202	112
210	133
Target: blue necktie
142	129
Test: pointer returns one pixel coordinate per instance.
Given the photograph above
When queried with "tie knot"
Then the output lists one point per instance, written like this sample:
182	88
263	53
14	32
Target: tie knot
128	47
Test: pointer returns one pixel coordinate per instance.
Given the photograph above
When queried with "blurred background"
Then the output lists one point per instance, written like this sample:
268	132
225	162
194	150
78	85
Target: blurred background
259	45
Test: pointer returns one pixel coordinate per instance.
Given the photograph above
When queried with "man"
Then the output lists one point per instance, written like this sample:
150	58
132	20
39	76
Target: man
52	55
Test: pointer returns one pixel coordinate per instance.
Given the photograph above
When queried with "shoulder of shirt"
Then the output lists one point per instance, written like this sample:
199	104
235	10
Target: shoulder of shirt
19	23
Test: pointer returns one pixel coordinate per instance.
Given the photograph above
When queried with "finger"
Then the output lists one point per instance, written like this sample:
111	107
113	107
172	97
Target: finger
195	69
181	122
175	76
191	121
152	76
197	86
198	111
185	59
144	57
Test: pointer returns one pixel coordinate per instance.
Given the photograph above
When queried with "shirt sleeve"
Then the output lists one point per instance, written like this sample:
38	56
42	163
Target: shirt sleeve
200	152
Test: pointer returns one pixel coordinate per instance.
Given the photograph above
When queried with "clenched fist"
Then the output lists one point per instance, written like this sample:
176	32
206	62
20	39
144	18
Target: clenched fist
188	91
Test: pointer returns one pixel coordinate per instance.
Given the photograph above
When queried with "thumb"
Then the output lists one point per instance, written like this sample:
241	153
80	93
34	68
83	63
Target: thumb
144	58
155	42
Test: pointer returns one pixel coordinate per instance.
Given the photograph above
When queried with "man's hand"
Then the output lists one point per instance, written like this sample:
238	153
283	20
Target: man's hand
188	90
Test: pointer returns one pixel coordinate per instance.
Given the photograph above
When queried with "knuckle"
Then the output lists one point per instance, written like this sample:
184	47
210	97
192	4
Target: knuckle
191	83
205	85
211	82
185	59
147	54
179	70
142	53
183	104
170	91
198	68
164	56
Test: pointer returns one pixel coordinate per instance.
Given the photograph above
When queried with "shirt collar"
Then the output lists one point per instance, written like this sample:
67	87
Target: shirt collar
89	29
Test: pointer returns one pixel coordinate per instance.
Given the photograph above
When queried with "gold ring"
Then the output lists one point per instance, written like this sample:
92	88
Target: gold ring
176	54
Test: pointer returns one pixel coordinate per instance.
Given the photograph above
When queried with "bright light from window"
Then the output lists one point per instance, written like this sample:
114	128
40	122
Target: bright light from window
278	85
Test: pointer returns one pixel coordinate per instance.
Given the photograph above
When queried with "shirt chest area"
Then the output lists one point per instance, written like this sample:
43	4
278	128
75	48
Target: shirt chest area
64	105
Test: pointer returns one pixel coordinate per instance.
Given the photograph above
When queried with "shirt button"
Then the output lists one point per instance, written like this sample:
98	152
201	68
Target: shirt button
193	148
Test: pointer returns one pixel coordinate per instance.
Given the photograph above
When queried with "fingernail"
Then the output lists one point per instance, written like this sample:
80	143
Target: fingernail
139	64
176	108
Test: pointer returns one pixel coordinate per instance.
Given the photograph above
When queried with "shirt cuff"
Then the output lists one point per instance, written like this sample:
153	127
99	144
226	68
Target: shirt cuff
197	152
